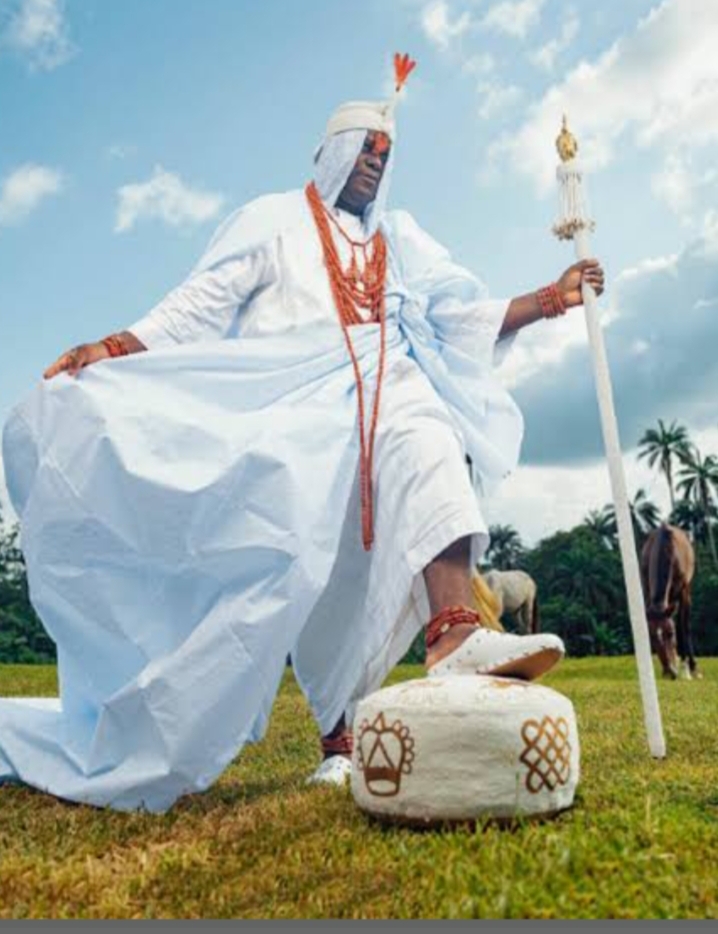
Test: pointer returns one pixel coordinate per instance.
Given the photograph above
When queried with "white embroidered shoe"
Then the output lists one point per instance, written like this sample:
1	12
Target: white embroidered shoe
486	652
336	770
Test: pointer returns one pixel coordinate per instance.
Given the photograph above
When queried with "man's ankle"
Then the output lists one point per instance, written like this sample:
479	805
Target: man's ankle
340	742
449	642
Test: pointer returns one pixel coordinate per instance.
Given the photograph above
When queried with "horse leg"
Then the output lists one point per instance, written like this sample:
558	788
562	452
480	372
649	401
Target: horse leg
666	647
535	621
523	618
684	625
683	665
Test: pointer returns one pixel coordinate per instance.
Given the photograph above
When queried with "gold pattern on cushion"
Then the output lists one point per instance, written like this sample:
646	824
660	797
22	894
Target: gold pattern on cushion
547	755
385	754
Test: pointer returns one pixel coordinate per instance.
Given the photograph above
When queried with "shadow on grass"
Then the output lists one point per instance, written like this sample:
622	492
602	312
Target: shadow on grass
471	827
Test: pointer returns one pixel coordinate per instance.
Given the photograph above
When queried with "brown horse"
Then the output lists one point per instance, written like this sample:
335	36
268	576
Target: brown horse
667	568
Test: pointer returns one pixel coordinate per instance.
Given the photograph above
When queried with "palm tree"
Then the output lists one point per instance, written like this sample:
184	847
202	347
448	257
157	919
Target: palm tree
505	549
645	515
664	446
603	523
690	517
699	483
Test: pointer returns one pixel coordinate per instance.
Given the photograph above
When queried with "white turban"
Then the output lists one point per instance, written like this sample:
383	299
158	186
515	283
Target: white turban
363	115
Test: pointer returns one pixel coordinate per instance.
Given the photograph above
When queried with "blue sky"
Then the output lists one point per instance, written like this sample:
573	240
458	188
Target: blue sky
129	129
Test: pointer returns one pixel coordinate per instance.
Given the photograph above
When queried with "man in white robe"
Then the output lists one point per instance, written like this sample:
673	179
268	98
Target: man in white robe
191	515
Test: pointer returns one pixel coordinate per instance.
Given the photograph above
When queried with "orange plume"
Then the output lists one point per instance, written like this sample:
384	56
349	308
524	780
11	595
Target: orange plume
403	67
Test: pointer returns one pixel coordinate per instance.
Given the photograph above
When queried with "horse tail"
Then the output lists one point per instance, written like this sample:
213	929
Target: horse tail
659	569
486	602
535	621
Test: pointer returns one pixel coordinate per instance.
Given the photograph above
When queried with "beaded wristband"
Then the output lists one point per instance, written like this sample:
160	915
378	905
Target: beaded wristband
551	301
446	619
342	745
114	345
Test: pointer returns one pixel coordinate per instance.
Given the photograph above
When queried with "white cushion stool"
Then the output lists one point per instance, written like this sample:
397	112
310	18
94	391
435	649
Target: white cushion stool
464	748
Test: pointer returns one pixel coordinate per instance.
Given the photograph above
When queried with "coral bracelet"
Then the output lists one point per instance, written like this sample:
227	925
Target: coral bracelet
114	345
551	301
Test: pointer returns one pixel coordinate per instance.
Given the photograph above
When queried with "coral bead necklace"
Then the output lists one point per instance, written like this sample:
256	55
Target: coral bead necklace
355	289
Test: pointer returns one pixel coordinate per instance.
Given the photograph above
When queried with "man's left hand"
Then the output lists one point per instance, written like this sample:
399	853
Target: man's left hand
569	285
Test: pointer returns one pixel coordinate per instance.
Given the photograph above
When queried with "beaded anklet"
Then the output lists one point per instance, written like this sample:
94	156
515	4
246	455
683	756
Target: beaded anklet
448	618
342	745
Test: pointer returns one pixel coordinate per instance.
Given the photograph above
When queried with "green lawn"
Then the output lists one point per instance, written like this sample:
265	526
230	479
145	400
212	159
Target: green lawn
642	840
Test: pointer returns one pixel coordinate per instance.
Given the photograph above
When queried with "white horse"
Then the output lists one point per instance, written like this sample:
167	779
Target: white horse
515	592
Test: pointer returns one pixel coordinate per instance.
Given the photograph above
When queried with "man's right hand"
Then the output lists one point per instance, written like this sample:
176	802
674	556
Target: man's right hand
76	359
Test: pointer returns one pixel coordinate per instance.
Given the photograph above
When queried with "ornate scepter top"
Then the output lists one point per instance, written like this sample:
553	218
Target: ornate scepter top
566	143
574	214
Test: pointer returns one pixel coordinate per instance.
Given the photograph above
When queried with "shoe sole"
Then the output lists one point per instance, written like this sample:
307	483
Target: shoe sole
526	668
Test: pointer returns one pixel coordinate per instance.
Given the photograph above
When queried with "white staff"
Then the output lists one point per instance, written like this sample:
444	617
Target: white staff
575	224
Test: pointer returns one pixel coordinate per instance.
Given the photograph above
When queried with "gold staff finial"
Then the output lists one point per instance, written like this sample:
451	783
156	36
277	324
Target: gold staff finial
566	143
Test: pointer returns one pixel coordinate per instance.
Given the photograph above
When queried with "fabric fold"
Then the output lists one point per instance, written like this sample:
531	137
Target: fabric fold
182	513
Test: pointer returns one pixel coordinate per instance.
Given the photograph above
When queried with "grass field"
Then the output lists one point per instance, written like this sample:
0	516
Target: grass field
641	842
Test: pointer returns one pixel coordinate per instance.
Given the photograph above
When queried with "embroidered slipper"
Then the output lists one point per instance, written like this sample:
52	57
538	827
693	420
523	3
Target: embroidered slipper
336	771
486	652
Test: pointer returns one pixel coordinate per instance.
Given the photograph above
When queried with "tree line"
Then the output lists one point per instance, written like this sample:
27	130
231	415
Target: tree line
23	639
579	575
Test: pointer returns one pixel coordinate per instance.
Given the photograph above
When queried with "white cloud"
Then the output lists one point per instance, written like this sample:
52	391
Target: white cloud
651	266
709	233
682	185
544	347
658	84
514	17
538	501
165	197
39	31
438	26
639	347
24	189
482	64
545	57
120	151
674	185
495	97
660	334
533	354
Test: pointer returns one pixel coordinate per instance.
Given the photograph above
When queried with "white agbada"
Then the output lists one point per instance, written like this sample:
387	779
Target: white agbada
191	515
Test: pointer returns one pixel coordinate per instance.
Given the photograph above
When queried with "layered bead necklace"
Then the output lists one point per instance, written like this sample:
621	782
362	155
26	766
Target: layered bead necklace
361	286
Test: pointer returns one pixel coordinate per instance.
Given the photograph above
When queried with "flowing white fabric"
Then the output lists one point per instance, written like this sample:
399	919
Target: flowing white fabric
190	515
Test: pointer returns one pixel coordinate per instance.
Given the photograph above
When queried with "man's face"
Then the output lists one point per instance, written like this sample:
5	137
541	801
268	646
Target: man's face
363	183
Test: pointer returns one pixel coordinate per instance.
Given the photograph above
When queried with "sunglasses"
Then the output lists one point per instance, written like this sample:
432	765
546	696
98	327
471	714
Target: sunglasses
380	144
